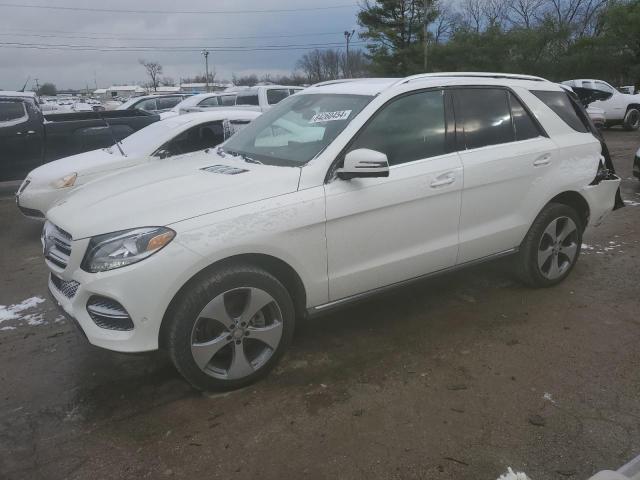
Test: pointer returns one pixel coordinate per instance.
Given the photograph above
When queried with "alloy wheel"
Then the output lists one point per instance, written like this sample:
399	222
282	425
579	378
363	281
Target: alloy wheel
558	248
236	333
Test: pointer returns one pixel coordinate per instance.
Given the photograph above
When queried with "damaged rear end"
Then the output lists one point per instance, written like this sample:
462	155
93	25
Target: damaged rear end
603	193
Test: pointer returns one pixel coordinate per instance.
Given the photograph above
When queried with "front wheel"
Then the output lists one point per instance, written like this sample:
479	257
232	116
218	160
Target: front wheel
551	247
230	328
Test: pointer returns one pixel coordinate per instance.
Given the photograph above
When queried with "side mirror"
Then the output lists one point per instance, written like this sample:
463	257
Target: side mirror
363	163
163	153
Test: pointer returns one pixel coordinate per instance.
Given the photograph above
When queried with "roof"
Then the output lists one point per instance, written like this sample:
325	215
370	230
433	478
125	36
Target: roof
100	91
135	88
213	115
374	86
10	93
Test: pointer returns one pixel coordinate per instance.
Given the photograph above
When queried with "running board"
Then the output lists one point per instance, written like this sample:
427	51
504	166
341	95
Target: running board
326	307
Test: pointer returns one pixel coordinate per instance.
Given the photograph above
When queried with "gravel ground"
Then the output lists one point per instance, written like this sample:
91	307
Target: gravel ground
457	377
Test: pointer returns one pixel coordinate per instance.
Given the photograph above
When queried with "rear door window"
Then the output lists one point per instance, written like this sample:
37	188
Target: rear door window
228	100
168	102
276	95
247	100
209	102
485	116
12	112
562	105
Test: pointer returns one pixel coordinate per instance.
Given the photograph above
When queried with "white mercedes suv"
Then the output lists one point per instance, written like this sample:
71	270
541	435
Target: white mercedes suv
337	193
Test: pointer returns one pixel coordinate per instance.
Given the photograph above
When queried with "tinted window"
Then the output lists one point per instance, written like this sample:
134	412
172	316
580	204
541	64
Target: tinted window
11	111
562	105
209	102
522	121
485	116
274	96
228	100
410	128
147	105
247	100
197	138
167	103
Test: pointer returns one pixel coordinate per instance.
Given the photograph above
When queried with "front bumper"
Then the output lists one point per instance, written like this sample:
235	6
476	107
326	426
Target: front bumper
144	289
34	200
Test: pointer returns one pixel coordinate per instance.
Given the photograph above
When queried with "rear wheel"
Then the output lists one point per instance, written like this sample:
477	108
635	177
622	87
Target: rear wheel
551	247
230	328
632	119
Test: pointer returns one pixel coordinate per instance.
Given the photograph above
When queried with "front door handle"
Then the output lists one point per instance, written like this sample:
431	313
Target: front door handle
543	160
442	180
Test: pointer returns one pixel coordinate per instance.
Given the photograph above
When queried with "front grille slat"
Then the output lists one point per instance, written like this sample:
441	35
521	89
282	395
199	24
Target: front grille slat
57	245
109	314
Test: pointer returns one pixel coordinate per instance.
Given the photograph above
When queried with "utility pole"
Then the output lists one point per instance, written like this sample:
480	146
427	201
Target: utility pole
206	68
347	35
426	34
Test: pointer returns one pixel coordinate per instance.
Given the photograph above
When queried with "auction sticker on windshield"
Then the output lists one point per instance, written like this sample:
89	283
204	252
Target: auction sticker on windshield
330	116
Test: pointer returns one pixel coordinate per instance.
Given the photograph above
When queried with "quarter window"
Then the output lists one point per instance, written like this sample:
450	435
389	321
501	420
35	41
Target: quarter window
522	122
228	100
147	105
410	128
12	112
485	117
562	105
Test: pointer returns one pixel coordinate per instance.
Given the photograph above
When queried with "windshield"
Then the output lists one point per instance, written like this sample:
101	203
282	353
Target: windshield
146	140
297	129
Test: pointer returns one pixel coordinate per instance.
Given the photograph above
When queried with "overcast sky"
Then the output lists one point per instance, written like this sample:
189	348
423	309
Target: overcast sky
115	28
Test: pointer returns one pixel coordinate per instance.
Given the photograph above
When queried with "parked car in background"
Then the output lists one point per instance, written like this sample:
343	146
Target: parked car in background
202	101
30	138
620	108
215	256
630	89
260	98
153	103
163	140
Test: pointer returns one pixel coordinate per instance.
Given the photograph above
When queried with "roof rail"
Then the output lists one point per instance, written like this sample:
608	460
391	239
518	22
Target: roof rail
334	82
512	76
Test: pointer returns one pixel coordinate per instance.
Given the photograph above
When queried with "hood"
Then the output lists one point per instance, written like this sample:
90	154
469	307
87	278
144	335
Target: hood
162	193
86	163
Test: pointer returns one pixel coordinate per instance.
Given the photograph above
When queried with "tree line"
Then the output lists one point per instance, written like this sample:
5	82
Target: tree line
557	39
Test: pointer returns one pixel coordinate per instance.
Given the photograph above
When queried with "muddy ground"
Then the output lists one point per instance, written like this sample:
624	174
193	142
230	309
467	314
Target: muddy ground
458	378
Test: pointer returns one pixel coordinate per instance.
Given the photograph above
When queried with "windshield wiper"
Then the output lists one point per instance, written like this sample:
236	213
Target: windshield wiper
243	156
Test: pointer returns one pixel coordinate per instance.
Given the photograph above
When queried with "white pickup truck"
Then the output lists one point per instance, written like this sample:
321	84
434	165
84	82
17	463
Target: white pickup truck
620	109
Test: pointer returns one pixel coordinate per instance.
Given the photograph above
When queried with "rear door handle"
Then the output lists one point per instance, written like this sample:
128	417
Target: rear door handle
442	180
543	160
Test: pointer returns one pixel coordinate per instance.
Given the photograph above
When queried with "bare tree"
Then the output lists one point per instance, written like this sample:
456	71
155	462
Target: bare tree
154	70
525	13
494	12
445	23
471	11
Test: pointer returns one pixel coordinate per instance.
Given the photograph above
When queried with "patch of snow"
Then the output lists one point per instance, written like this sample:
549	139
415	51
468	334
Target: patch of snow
632	203
511	475
548	397
7	328
13	312
34	319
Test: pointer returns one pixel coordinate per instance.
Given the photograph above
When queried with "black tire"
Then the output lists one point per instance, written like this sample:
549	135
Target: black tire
185	313
527	268
632	120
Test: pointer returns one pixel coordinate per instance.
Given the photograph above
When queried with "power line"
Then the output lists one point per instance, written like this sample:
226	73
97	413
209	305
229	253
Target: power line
105	36
179	12
91	48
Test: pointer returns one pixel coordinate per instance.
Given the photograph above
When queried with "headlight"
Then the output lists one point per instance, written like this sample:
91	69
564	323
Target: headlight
66	181
119	249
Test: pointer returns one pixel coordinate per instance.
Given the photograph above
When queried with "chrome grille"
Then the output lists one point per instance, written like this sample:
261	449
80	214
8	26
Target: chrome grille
56	244
67	287
109	314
